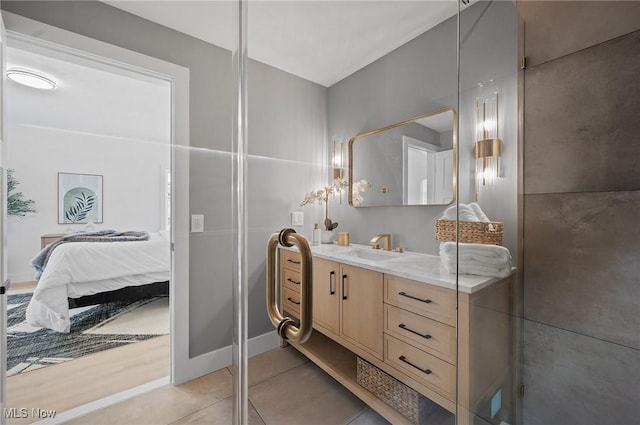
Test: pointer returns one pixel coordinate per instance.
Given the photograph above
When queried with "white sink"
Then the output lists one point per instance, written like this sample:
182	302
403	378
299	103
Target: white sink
371	255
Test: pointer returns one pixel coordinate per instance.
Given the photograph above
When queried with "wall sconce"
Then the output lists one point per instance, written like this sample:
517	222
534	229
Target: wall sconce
338	160
337	163
488	146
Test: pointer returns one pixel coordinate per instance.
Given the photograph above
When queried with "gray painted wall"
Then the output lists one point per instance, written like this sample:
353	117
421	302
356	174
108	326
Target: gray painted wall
581	200
420	77
287	138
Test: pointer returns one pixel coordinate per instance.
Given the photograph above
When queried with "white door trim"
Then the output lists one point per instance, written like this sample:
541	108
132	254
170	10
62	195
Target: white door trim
71	43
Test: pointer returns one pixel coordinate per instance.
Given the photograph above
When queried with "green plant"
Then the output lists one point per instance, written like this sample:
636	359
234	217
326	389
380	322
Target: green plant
16	204
79	210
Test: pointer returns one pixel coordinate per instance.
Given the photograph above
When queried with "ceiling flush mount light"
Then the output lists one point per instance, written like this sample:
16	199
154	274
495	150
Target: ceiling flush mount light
31	79
488	146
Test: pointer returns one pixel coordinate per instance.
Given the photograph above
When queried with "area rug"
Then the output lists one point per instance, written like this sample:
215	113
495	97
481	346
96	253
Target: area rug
93	329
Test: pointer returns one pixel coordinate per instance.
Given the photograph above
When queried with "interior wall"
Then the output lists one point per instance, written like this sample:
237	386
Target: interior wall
132	189
581	200
419	77
287	140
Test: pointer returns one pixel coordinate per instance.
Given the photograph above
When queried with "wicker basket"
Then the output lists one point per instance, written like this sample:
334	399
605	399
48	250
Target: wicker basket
406	401
470	231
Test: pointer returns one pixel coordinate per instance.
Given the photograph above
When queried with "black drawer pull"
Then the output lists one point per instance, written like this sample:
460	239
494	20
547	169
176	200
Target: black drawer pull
291	261
332	282
404	294
404	359
295	302
293	281
344	292
403	326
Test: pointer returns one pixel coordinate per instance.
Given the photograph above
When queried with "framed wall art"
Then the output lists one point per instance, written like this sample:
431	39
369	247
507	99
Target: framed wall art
79	198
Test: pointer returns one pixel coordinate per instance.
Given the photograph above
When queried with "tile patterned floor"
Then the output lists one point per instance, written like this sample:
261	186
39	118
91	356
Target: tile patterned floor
281	380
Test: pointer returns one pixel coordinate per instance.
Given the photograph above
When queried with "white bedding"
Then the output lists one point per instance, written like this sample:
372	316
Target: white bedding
76	269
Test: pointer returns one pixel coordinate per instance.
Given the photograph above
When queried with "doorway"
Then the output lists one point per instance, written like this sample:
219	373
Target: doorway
73	153
134	98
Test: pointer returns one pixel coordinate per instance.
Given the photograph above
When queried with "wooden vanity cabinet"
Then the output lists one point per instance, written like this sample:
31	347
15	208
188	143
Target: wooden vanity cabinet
361	308
420	334
290	283
347	302
408	330
326	297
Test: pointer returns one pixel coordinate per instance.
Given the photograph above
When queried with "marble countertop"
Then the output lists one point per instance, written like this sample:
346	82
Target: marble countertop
410	265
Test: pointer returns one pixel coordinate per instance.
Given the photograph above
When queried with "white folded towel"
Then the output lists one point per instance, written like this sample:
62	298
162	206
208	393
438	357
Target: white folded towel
466	213
477	259
470	212
478	212
476	250
477	269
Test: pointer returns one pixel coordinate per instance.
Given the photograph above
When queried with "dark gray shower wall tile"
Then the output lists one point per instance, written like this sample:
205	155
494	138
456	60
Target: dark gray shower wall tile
581	263
571	379
581	120
557	28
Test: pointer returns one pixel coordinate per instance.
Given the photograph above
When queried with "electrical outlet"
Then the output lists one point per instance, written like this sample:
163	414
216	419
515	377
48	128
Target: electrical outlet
297	218
197	223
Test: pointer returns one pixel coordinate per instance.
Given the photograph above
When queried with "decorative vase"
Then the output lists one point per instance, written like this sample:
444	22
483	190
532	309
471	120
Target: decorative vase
328	236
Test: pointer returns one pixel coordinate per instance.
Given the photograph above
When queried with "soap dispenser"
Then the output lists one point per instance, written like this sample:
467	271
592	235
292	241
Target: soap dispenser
316	235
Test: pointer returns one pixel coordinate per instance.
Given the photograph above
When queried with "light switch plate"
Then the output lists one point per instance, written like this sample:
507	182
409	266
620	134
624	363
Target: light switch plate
197	223
297	218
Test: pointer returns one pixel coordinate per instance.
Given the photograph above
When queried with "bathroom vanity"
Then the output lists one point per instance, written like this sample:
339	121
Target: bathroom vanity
397	311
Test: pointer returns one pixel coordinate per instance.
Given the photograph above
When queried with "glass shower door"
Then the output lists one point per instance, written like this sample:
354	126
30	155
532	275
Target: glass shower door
488	261
292	164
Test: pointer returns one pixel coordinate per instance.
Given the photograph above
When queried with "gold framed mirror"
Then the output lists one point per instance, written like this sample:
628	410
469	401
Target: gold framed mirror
411	162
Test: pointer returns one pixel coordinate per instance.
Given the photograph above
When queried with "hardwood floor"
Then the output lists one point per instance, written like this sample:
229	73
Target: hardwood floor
74	383
284	389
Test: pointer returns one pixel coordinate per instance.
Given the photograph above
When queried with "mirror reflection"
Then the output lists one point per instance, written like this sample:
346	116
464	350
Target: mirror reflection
407	163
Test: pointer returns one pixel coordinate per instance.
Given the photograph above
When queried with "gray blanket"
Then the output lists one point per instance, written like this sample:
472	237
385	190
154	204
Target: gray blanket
41	260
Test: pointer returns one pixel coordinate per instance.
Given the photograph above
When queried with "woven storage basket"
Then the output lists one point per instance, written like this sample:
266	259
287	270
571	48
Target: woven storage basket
470	231
406	401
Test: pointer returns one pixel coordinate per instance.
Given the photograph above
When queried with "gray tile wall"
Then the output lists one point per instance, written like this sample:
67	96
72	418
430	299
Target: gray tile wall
581	199
581	120
576	379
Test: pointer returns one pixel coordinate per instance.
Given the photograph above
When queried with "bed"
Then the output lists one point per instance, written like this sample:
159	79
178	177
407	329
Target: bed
86	273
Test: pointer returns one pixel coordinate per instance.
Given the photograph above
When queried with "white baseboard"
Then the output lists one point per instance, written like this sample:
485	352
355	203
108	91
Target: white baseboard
221	358
22	277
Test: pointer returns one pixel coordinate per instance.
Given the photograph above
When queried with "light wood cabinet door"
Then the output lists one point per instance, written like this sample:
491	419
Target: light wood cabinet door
361	308
326	297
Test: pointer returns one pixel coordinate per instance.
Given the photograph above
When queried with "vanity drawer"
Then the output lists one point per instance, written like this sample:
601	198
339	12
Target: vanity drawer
291	279
424	368
290	259
428	335
291	301
421	298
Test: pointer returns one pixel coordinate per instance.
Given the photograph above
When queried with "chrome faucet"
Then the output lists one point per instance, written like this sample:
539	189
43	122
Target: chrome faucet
386	237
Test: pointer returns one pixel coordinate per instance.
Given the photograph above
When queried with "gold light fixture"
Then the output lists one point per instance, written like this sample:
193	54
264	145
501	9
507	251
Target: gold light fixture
488	146
337	163
338	160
